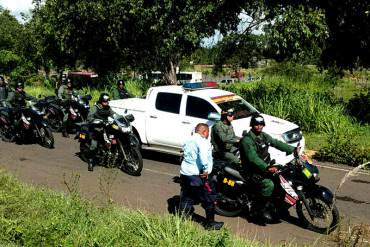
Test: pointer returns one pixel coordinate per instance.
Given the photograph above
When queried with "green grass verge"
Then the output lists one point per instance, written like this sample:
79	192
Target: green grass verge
31	216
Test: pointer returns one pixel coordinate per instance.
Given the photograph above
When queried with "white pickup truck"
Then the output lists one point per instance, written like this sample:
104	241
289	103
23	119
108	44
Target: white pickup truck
165	119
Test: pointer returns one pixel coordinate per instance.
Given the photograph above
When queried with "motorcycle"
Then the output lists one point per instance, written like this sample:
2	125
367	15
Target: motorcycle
117	144
24	125
295	185
78	110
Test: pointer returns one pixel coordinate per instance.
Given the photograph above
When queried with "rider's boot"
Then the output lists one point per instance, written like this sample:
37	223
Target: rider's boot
211	224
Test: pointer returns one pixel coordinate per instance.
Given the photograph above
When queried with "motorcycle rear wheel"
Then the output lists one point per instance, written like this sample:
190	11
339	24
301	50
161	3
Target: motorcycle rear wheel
326	215
5	134
134	163
227	207
46	137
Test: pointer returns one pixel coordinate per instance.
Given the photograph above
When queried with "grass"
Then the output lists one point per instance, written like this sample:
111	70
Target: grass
31	216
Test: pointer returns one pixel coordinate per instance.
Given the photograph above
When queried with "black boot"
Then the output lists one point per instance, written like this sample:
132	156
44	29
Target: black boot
90	165
211	224
65	132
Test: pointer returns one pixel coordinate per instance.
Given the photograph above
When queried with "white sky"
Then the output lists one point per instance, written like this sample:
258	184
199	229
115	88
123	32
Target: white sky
17	6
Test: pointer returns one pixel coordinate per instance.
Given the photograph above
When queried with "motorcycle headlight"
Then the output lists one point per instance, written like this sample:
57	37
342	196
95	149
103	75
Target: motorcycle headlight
292	135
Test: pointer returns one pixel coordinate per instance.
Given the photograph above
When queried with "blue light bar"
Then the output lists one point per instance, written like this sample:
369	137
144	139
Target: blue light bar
199	85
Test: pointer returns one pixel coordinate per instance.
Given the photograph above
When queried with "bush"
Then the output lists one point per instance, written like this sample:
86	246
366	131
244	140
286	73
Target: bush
312	111
342	147
359	107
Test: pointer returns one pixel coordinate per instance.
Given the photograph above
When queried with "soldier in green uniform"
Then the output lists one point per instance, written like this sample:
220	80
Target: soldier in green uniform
120	91
256	160
65	95
225	143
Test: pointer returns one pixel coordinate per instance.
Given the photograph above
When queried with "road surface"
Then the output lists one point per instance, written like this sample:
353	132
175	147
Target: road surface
60	169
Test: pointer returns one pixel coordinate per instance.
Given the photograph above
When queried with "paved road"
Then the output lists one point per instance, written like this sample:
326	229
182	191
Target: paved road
60	167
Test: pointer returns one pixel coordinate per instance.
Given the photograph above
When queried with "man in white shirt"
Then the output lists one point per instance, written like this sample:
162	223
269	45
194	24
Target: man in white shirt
195	168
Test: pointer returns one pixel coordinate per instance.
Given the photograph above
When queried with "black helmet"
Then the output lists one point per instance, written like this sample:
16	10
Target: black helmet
257	120
104	97
19	85
120	82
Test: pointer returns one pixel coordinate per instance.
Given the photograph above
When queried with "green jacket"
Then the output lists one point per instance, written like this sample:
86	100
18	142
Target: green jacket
99	112
120	94
223	137
64	93
250	154
16	99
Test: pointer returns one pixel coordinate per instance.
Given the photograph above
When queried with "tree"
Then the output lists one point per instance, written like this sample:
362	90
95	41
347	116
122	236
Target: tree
297	34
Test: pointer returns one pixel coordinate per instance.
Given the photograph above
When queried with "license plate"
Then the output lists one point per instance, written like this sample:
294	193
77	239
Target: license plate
82	136
229	182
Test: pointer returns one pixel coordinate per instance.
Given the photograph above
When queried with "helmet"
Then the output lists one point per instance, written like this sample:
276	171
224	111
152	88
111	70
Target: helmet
257	120
104	97
120	82
230	112
19	85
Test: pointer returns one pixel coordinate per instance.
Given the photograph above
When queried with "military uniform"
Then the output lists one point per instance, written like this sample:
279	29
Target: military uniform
224	142
120	94
255	158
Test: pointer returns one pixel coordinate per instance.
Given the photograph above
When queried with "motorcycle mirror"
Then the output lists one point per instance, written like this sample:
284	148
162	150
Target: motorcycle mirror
130	117
214	116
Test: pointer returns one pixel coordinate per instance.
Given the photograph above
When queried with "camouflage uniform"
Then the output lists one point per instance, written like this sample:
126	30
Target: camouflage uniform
225	142
255	158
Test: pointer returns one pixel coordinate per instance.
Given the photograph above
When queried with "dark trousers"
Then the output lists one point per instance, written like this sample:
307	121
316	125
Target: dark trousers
195	190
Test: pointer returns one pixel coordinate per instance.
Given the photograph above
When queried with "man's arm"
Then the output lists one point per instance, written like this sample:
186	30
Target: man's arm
279	144
91	115
205	155
60	92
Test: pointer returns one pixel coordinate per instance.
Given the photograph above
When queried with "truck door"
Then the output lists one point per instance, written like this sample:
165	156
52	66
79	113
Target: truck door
162	124
196	111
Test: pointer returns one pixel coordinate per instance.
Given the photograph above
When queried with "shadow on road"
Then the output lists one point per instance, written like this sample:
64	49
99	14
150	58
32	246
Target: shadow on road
161	157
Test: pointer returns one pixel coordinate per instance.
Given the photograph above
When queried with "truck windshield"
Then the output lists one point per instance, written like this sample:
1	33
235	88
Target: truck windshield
241	107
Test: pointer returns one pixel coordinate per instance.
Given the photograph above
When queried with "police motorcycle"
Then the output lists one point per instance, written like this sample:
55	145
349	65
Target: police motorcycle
53	111
295	185
25	125
117	144
77	109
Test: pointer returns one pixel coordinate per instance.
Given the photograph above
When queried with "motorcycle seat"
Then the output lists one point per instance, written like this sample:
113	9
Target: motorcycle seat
234	173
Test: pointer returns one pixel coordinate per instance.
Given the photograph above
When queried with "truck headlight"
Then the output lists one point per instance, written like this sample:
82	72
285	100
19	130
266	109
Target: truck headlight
293	135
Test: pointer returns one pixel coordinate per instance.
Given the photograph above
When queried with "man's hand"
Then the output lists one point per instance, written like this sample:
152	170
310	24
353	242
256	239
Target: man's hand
272	169
204	175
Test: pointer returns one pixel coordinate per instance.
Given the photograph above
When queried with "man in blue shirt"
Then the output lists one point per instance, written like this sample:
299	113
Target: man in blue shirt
195	168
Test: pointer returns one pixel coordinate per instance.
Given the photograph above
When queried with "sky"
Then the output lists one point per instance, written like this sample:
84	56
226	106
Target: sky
17	6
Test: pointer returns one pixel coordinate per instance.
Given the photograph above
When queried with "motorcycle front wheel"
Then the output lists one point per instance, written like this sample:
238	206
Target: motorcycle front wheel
227	207
55	122
325	215
134	163
46	137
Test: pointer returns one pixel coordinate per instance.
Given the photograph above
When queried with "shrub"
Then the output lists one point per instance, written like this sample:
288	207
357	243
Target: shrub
359	107
342	147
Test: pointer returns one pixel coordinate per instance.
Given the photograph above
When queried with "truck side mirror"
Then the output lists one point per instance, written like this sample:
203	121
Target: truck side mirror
214	116
130	117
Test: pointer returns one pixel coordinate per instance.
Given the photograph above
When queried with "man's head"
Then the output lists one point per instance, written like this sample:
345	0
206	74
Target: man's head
19	86
2	81
104	99
257	123
228	116
69	83
202	129
120	84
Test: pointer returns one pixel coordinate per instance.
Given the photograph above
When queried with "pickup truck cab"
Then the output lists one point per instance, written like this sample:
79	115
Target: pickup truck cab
166	117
